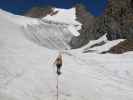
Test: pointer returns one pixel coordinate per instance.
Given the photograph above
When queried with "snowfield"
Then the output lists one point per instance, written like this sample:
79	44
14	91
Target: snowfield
27	71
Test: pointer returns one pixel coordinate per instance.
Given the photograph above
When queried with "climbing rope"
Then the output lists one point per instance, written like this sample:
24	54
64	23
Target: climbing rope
57	88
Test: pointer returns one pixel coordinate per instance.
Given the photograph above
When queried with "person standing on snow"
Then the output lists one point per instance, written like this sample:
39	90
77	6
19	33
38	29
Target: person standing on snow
58	63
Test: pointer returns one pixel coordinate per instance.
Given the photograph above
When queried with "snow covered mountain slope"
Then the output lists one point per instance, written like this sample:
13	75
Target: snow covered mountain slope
67	16
56	29
63	15
27	71
16	19
51	34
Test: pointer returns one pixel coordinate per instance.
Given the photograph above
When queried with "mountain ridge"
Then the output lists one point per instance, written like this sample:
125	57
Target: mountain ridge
116	21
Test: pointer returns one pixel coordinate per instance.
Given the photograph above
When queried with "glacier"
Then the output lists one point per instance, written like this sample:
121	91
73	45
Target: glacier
27	71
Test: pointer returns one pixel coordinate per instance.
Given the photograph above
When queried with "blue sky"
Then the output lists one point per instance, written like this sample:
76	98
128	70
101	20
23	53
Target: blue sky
96	7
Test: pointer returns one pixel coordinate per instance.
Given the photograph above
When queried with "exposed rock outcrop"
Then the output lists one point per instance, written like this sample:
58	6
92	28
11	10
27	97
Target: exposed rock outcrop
39	12
118	19
88	22
122	47
117	22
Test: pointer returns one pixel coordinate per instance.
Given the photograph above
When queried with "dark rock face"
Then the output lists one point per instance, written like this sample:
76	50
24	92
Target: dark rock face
122	47
39	12
118	19
89	27
117	22
87	20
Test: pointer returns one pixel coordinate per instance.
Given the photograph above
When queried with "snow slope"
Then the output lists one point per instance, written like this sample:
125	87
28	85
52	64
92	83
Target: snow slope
16	19
49	35
27	71
67	16
59	29
64	16
44	32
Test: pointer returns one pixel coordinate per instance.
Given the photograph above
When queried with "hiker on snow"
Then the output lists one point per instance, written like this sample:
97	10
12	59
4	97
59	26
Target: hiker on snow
58	63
